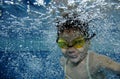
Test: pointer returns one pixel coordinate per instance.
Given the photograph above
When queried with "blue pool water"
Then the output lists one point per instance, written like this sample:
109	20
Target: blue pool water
28	48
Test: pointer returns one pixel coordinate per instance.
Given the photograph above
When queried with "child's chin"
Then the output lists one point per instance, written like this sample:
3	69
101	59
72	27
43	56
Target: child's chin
74	60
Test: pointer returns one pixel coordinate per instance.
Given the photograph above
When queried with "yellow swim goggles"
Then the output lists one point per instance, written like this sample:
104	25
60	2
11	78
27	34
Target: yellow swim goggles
77	43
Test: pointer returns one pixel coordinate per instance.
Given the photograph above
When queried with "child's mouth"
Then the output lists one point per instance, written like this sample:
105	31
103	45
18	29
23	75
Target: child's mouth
72	56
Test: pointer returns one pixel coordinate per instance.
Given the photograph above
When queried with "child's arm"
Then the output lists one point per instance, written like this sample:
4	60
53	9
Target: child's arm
108	63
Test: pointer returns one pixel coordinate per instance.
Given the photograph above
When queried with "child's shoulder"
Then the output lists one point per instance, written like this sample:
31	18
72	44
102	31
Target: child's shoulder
92	53
98	58
95	54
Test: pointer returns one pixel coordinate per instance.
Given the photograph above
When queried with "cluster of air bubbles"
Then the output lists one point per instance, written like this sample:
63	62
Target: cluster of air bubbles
39	2
36	32
101	15
86	9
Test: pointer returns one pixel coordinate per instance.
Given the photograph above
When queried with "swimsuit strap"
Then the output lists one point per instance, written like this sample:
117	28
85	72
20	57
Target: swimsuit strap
65	69
87	66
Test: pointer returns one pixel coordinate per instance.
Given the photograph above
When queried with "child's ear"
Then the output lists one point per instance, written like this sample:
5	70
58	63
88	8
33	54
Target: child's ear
88	42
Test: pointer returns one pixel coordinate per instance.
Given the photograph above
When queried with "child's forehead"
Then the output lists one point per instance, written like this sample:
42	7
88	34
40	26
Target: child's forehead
70	34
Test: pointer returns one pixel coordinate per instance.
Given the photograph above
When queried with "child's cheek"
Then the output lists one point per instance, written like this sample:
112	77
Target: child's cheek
63	51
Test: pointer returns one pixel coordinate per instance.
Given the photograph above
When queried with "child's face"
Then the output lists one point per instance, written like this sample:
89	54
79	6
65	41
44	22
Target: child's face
73	45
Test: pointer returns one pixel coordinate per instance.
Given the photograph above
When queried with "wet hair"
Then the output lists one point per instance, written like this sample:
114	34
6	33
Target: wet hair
74	23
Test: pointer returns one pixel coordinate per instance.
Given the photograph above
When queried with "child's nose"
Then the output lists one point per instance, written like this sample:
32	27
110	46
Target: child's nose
70	45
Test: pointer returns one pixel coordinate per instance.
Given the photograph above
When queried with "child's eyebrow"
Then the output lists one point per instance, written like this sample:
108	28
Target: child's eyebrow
78	38
62	39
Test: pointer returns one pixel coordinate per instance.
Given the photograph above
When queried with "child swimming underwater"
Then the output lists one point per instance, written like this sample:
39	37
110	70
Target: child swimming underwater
78	61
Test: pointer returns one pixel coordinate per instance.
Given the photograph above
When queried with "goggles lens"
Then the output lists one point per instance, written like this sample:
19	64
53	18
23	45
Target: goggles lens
77	43
62	43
